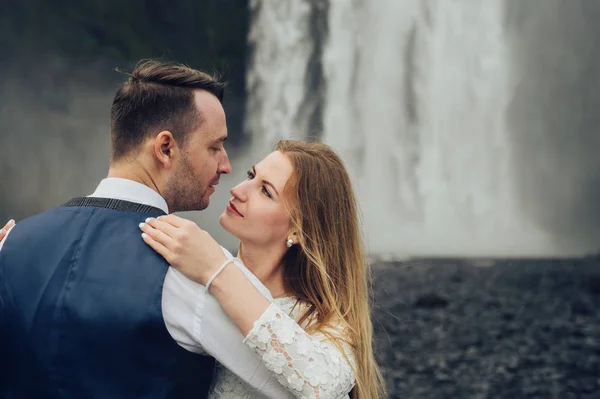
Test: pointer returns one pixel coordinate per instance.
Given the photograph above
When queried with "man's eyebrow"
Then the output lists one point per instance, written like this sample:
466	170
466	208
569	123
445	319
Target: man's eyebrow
221	139
265	181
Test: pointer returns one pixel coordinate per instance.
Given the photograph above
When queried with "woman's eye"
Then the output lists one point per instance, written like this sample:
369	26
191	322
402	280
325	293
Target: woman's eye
266	192
263	189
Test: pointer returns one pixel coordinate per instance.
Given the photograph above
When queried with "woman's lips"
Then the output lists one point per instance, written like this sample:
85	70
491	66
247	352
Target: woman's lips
233	209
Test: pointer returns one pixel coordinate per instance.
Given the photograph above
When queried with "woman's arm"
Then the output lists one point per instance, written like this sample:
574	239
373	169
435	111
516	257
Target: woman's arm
4	231
198	322
309	365
304	364
242	302
6	228
198	256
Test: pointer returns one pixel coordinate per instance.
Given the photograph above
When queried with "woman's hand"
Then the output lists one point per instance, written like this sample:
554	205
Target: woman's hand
5	229
184	245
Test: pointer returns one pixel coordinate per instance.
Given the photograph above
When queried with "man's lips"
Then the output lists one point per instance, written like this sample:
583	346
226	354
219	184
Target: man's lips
234	209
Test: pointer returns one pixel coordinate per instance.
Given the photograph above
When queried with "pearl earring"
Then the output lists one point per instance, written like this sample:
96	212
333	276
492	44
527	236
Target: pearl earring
290	242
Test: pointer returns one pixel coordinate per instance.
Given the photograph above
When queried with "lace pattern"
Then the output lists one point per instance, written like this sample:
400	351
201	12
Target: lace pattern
310	366
229	386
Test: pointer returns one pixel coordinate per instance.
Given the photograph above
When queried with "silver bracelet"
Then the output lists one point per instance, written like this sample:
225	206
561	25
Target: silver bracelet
215	274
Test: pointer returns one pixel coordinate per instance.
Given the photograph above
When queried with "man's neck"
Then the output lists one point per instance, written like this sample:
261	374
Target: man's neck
265	264
137	174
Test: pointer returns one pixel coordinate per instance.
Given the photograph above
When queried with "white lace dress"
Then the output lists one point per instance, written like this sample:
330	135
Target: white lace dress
308	366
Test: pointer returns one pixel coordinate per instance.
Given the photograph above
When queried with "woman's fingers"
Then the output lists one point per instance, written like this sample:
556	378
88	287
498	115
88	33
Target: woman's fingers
163	226
157	246
5	229
158	236
173	220
184	245
183	232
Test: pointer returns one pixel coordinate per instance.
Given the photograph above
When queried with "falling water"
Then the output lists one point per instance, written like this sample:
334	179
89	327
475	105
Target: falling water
282	49
416	101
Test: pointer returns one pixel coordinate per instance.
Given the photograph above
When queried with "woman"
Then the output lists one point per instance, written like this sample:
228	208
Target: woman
6	228
296	218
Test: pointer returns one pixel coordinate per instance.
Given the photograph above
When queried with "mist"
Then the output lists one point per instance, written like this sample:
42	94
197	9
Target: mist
554	117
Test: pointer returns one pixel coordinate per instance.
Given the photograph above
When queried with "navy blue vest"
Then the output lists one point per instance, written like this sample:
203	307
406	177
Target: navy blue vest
80	309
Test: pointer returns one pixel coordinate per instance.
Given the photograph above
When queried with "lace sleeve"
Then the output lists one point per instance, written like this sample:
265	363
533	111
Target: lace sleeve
309	366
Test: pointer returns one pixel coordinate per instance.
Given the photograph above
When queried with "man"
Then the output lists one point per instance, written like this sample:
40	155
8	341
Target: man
87	309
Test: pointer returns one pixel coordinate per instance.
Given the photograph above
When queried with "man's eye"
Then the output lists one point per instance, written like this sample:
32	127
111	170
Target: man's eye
250	175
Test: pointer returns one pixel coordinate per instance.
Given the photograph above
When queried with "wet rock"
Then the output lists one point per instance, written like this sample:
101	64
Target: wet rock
517	329
580	307
431	301
594	285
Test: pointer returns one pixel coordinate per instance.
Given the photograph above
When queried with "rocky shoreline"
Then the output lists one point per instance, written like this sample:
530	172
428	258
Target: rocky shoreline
511	329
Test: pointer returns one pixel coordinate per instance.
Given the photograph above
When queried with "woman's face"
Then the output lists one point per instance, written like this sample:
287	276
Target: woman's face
256	213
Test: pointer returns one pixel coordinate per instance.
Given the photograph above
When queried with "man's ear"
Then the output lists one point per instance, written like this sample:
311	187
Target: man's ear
165	148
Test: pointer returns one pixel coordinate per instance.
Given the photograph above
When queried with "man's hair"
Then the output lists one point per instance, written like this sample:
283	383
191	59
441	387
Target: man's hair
158	96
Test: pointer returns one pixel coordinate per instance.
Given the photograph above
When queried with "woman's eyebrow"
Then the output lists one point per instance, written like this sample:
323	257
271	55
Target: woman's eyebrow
265	181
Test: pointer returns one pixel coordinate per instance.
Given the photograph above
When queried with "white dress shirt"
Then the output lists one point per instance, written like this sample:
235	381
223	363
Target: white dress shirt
193	317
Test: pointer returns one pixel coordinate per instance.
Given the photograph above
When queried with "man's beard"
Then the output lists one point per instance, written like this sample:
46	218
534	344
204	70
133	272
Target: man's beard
185	191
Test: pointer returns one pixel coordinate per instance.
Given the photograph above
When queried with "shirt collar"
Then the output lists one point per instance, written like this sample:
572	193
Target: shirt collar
129	190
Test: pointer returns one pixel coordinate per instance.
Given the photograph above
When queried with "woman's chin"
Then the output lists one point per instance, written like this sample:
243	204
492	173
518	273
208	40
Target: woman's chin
223	221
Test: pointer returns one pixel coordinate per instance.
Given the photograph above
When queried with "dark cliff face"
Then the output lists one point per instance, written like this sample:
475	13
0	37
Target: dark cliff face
554	115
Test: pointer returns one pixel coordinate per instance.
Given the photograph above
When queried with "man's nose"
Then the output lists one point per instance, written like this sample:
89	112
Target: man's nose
224	165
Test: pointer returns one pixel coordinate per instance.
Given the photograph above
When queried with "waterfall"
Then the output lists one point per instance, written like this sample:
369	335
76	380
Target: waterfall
415	101
282	47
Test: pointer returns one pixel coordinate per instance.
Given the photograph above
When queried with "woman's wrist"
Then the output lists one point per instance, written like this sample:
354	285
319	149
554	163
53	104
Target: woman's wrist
217	272
239	298
202	275
223	280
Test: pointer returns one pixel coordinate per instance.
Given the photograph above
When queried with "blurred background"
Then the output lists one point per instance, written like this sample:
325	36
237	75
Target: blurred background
469	127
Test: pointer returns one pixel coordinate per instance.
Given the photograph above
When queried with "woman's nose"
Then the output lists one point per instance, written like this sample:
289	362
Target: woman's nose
239	192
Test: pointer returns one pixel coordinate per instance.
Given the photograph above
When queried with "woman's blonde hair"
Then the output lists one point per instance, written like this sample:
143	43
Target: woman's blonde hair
328	269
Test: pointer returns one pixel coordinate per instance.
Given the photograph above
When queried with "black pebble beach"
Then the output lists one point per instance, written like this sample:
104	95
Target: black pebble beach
489	329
